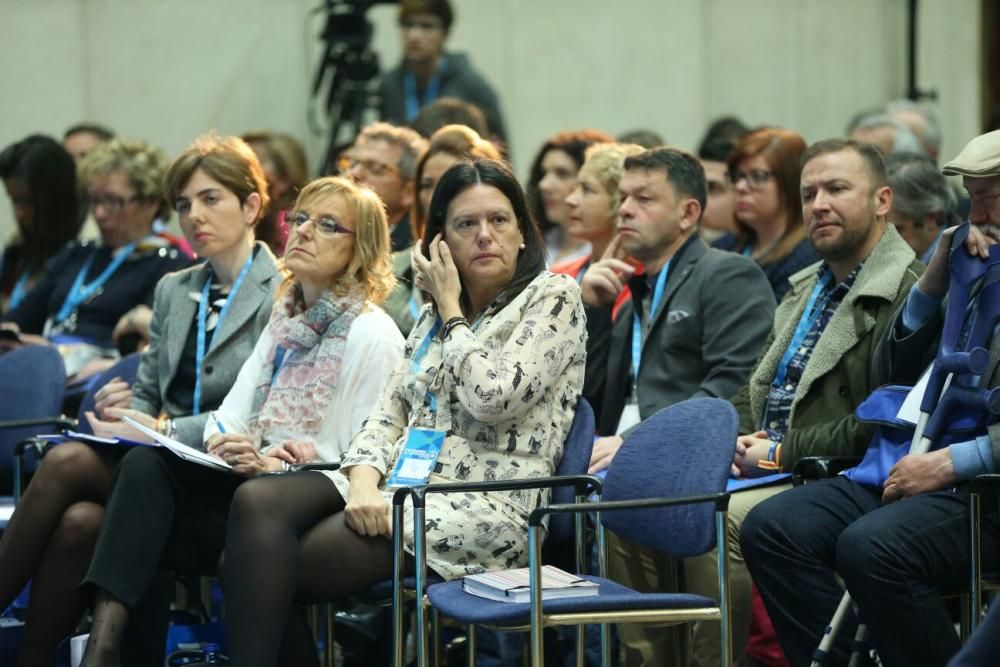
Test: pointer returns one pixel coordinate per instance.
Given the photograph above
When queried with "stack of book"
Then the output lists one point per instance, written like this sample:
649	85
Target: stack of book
515	585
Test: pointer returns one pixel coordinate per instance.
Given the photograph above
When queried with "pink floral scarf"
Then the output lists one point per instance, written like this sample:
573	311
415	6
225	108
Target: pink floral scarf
298	395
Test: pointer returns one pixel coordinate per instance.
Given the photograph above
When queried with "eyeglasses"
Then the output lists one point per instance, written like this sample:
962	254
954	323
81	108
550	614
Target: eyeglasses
756	178
421	26
111	203
326	226
371	167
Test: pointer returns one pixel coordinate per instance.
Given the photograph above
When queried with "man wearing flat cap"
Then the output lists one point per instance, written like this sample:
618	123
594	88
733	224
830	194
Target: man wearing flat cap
898	541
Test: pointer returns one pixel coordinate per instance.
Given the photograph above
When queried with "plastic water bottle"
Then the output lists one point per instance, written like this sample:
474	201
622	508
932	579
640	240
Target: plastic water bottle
211	652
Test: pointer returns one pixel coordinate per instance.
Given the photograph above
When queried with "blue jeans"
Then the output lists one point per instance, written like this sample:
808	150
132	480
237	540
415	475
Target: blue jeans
893	559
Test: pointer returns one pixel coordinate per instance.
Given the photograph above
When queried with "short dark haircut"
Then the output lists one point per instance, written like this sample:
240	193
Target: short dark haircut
716	149
683	171
870	155
50	174
461	176
439	8
99	131
449	111
727	128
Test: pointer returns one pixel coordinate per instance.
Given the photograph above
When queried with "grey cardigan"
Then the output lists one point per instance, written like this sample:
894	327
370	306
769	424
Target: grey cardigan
173	316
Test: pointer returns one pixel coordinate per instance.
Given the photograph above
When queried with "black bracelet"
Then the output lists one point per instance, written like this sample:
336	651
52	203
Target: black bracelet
451	324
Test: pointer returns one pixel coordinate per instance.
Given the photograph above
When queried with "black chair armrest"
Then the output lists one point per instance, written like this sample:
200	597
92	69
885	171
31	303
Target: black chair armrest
58	423
585	484
317	466
986	482
40	447
821	467
721	501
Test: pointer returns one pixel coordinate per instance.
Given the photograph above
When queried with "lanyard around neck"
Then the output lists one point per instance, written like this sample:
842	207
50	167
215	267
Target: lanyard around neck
413	101
201	348
19	292
806	322
654	303
81	291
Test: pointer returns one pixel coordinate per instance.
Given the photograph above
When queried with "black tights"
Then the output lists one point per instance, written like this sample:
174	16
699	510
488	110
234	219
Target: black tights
49	541
287	543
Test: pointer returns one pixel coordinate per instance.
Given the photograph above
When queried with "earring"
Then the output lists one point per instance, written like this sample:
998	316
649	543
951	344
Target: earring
522	246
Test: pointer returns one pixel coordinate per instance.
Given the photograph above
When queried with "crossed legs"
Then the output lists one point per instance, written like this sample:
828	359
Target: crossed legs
287	543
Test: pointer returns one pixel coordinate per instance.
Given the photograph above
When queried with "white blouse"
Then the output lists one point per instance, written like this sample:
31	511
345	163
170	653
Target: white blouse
373	349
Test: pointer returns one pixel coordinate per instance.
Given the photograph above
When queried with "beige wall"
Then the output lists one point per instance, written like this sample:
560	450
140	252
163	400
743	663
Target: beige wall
167	70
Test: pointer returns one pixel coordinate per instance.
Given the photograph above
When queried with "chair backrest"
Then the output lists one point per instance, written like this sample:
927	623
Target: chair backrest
34	378
575	460
685	449
126	369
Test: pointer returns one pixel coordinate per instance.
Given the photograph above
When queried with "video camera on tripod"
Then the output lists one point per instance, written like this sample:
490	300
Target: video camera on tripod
351	66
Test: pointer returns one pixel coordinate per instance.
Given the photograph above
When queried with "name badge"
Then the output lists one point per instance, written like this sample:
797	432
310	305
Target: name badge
416	462
630	417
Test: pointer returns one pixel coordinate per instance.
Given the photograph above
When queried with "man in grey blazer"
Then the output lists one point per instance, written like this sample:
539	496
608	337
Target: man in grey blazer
694	327
713	309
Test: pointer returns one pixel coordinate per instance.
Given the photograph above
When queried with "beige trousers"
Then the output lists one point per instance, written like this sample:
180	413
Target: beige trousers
648	571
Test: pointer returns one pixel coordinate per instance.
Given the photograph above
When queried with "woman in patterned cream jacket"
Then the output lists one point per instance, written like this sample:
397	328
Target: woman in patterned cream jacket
492	370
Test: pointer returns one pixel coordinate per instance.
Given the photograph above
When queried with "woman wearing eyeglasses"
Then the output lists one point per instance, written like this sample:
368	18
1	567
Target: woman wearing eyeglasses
205	323
88	287
764	170
493	370
313	375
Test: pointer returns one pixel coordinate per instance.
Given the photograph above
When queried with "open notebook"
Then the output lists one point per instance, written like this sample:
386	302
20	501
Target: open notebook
180	449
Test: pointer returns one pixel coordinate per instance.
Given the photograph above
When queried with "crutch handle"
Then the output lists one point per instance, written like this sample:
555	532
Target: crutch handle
975	361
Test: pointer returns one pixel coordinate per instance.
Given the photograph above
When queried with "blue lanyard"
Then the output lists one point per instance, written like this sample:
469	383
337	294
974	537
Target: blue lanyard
582	272
414	308
80	292
19	292
747	250
413	103
661	281
279	359
421	353
806	322
200	350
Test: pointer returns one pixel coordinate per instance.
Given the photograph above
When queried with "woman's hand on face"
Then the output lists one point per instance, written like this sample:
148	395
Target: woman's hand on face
115	394
113	427
242	454
367	512
438	276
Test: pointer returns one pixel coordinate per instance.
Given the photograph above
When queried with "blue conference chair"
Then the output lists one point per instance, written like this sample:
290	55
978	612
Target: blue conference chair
665	489
34	378
569	483
126	369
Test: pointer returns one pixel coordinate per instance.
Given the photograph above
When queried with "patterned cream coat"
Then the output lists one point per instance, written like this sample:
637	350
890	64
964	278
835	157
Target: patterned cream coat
506	392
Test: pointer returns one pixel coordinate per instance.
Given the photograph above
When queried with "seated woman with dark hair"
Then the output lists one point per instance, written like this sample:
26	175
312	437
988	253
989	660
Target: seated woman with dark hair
315	371
448	146
40	179
218	189
764	169
492	371
88	287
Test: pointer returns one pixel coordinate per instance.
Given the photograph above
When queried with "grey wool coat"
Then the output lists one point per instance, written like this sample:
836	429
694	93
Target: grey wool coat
174	313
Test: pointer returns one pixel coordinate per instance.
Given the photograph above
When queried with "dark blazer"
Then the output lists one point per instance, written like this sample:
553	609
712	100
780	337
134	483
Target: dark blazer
716	312
174	313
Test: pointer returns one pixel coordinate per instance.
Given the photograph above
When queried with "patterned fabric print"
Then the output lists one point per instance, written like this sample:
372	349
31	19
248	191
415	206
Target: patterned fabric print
314	341
506	392
779	399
